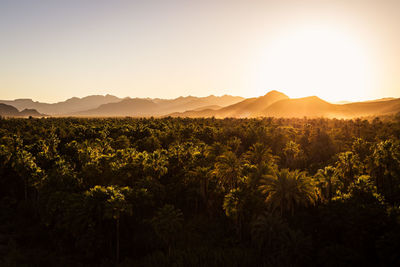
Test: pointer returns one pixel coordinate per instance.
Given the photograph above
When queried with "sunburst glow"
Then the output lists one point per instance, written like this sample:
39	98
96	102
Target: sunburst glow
316	61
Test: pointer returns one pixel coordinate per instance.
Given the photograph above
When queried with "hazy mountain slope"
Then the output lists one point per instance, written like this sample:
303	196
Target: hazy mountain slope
85	105
71	105
275	104
126	107
212	107
7	110
371	108
157	107
245	108
316	107
10	111
182	104
30	112
252	106
308	106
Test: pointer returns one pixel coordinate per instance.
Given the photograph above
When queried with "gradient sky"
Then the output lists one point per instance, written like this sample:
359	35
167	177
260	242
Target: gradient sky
339	50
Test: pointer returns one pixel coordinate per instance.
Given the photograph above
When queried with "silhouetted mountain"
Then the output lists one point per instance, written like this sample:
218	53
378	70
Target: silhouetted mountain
30	112
10	111
372	108
158	107
7	110
71	105
245	108
304	107
248	107
181	104
89	105
275	104
212	107
126	107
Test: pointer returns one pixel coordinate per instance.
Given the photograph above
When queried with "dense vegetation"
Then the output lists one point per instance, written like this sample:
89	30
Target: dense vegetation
199	192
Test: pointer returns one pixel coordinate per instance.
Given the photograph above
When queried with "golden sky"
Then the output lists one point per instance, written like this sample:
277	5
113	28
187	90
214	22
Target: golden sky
337	50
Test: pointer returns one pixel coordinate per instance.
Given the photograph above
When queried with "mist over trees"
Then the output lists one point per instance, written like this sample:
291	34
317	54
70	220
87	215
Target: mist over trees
199	192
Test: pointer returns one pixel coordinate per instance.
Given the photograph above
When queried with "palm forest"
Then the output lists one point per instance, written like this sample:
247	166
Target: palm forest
199	192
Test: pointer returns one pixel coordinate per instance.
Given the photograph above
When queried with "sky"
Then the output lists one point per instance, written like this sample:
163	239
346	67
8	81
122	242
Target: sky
338	50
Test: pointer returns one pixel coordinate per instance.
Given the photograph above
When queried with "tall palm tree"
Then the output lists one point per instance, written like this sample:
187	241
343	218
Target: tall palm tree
259	154
347	168
286	190
325	182
291	151
167	224
227	170
260	157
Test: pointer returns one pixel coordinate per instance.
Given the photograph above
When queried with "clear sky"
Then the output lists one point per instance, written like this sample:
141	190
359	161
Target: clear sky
338	50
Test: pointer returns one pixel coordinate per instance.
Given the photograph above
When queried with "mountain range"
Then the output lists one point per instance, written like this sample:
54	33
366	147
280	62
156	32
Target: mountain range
108	105
273	104
10	111
159	107
277	104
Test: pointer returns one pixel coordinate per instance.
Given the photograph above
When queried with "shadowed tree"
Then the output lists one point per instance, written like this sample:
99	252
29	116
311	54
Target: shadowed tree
325	182
259	161
167	223
347	168
114	206
292	153
286	190
201	176
227	170
386	168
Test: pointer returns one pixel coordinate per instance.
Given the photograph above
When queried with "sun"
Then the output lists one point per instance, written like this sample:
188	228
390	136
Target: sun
322	61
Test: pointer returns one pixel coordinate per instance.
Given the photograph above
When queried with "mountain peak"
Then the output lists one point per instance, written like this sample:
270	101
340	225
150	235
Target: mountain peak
275	93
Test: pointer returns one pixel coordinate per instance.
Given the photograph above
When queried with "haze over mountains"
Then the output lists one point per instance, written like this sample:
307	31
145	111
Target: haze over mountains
108	105
277	104
159	107
71	105
10	111
273	104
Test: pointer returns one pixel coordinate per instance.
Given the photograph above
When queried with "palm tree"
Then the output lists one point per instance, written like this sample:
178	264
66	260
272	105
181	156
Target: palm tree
325	182
111	203
285	190
347	168
201	175
260	154
260	158
227	170
167	223
291	151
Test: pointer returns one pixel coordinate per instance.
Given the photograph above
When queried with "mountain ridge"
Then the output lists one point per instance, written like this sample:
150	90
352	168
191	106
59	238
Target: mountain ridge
272	104
11	111
285	107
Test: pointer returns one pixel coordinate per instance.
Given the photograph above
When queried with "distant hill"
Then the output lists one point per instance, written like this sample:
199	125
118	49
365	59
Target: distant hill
272	104
245	108
312	106
10	111
212	107
127	107
7	110
249	107
94	105
71	105
373	108
158	107
30	112
276	104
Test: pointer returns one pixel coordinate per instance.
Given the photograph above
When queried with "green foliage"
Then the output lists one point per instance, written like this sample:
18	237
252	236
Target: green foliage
240	192
287	190
167	223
